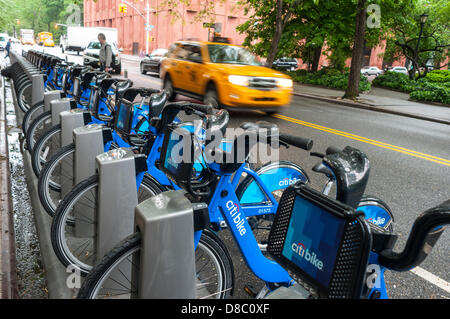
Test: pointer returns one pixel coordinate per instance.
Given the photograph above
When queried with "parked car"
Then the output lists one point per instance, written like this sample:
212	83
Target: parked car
3	41
371	70
92	52
285	64
400	69
224	75
152	62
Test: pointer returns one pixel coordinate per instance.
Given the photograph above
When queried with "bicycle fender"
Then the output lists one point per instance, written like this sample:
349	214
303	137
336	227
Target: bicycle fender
276	176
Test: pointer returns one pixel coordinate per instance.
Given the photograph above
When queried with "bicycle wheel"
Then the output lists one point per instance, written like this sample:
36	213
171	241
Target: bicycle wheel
24	97
71	247
277	176
37	128
31	115
52	174
44	149
215	278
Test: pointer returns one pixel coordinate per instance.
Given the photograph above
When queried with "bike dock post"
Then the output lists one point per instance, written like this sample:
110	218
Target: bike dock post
38	89
69	121
117	196
58	106
167	258
49	97
89	142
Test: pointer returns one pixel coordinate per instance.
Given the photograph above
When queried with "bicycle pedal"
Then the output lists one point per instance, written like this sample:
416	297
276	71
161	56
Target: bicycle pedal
250	291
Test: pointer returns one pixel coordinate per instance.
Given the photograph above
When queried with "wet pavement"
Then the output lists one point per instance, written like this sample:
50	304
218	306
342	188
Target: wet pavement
30	271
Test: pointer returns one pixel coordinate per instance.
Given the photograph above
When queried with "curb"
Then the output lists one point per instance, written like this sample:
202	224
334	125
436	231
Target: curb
55	272
371	108
8	272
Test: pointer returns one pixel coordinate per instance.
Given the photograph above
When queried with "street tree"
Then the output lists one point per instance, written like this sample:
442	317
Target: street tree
352	90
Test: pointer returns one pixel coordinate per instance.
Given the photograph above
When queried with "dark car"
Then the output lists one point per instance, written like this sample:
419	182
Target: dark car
285	64
152	62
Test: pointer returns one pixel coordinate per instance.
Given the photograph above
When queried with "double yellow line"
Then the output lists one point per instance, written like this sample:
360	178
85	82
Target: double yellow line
391	147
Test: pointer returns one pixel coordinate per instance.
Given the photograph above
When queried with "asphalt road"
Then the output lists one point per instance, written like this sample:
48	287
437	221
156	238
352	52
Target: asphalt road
410	170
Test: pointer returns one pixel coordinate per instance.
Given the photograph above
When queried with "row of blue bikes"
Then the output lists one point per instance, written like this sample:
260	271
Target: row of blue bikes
332	243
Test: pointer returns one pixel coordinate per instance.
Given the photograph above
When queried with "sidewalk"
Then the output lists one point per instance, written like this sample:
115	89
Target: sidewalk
133	58
8	275
379	100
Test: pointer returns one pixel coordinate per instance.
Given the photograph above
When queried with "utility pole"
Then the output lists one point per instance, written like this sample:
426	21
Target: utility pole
147	29
147	21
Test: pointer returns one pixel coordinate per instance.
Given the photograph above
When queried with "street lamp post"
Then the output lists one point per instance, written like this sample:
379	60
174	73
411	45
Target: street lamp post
423	20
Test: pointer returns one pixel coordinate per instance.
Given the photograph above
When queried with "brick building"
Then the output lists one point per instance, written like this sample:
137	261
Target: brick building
131	26
132	34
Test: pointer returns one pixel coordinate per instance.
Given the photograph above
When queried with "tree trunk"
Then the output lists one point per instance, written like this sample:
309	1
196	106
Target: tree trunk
358	49
277	36
316	58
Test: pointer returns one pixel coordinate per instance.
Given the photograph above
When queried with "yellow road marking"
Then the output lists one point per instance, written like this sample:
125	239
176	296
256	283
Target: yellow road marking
403	150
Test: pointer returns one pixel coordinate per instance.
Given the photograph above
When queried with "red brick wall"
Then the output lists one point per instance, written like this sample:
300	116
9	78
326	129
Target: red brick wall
131	25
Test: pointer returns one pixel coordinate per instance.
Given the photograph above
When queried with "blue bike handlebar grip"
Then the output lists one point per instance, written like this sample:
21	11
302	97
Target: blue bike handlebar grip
300	142
332	150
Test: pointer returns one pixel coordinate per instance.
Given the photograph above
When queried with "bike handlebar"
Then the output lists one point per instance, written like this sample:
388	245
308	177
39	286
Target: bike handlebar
300	142
171	110
425	232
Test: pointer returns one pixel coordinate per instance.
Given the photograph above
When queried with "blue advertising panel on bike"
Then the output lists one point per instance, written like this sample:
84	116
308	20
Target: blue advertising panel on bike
174	156
123	118
313	240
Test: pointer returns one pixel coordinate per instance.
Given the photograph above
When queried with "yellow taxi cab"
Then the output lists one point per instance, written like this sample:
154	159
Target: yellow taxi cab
224	75
46	39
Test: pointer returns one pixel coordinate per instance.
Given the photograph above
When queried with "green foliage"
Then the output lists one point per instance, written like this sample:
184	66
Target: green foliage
328	77
438	76
434	88
432	93
39	15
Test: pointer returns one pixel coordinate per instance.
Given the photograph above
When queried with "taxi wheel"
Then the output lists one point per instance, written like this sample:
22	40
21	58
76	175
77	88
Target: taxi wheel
211	97
168	86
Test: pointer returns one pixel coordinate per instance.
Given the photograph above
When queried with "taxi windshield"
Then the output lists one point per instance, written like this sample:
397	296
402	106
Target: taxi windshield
231	55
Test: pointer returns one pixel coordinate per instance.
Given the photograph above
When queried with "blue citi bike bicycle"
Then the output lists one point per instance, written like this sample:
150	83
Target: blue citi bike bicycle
101	103
215	185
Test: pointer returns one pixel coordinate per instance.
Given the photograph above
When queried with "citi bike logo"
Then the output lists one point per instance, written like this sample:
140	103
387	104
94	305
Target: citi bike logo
233	210
309	256
377	221
287	181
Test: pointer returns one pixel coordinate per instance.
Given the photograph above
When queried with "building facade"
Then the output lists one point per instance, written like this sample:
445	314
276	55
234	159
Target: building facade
166	30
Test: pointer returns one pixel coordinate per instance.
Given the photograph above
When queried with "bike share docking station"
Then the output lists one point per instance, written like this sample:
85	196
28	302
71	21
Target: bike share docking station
167	258
90	141
165	221
69	121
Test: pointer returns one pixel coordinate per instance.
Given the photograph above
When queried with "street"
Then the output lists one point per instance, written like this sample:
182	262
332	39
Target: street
410	171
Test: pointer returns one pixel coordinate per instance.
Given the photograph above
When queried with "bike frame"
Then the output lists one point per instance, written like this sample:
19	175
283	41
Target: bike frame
225	204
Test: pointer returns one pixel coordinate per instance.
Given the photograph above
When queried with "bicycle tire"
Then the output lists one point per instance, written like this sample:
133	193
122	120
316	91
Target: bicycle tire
32	130
45	184
36	159
61	218
131	245
20	97
31	115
